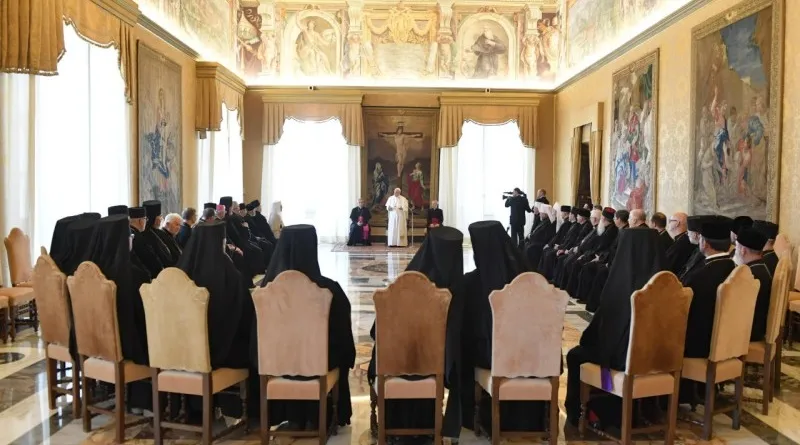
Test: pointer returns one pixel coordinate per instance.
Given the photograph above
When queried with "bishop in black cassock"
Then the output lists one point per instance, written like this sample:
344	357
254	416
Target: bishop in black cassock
580	228
749	250
565	261
359	225
606	234
590	270
770	232
435	216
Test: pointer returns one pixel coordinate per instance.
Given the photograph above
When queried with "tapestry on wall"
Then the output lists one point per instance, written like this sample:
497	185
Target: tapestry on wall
159	87
399	154
735	108
634	140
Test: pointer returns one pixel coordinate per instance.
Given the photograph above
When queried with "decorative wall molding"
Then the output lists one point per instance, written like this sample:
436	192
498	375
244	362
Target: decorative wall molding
126	10
166	36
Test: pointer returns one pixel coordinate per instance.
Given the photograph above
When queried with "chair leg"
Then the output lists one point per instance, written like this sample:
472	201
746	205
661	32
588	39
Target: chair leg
672	414
12	323
158	439
243	397
776	378
585	392
52	381
87	398
76	392
373	415
263	380
323	410
476	416
437	413
119	398
33	315
4	325
381	411
766	388
554	411
208	409
738	395
627	411
496	410
708	407
790	328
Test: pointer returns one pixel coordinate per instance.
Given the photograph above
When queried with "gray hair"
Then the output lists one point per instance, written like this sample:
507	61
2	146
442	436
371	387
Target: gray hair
169	218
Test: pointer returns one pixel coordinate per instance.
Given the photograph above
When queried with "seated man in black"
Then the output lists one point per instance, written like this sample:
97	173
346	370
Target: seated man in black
435	216
359	225
749	250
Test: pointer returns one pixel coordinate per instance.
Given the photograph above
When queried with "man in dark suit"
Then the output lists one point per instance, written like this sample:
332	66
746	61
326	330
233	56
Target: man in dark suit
518	203
189	216
749	247
770	232
682	248
659	222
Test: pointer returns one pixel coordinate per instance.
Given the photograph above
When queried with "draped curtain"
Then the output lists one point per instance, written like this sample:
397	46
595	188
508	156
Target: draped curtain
31	36
455	110
576	161
220	171
65	140
316	174
595	164
347	110
217	86
488	160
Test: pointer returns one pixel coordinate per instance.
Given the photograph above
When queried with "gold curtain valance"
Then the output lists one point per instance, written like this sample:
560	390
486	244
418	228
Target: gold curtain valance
346	108
457	108
108	23
31	36
216	85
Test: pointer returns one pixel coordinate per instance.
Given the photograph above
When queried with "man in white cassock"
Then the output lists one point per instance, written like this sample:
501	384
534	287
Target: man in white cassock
398	214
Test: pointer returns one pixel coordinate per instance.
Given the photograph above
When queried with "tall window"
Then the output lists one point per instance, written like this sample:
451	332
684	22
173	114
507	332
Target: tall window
488	160
315	175
220	169
82	137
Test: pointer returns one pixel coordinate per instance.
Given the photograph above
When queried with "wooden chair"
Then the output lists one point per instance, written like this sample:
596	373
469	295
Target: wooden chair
21	300
783	247
176	311
4	319
767	352
527	326
730	340
410	325
659	313
292	316
50	284
94	308
794	302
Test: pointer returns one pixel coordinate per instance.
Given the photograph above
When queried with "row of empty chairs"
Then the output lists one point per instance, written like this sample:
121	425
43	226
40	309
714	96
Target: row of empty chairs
17	303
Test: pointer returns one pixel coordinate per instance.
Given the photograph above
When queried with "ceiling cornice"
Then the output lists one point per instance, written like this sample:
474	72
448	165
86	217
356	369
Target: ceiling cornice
214	70
166	36
125	10
521	99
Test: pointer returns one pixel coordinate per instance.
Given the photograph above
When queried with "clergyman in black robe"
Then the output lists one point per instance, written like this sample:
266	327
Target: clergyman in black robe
541	235
255	258
171	226
567	217
441	259
564	262
770	232
497	262
61	247
359	225
749	250
297	250
153	254
434	216
605	341
682	248
659	222
606	234
580	228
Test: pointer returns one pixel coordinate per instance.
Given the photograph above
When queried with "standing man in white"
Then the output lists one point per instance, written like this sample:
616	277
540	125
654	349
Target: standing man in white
398	214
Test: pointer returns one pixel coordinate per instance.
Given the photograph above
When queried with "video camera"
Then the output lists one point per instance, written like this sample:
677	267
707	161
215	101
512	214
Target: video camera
507	195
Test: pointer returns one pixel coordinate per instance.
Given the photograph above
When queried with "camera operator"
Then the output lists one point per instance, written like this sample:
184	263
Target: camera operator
518	202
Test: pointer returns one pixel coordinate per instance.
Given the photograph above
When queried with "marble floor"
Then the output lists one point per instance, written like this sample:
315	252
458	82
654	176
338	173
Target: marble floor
26	419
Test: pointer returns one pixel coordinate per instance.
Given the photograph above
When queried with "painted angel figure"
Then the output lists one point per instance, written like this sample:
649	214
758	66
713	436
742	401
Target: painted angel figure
310	48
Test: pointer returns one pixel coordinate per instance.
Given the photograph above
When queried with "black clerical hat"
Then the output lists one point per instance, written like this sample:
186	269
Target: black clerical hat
255	203
574	210
152	208
226	201
716	229
242	206
751	238
118	210
695	223
566	208
768	229
210	205
250	207
584	213
740	222
136	212
608	213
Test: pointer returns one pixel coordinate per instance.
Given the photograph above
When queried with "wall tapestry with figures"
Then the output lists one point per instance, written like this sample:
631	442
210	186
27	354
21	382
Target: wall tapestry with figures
296	42
634	139
159	97
735	109
399	153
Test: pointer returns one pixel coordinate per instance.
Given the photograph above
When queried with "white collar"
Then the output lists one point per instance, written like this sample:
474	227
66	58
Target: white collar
718	255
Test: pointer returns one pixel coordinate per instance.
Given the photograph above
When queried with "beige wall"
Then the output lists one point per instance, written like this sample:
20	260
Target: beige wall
574	105
188	136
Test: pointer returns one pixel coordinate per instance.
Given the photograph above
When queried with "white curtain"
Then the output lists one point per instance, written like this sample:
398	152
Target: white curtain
65	141
315	174
488	160
220	169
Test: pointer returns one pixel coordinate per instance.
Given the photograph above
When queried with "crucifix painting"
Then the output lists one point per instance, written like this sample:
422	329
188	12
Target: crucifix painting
399	139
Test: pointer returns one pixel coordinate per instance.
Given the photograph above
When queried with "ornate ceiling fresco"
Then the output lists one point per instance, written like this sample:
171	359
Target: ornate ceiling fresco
537	44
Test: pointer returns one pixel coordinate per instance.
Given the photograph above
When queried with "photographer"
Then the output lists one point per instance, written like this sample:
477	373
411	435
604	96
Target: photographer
518	202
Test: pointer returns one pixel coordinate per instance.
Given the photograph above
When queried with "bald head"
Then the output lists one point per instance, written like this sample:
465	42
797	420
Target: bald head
677	224
637	218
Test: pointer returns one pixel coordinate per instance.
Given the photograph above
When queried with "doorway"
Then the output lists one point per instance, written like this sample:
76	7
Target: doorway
583	194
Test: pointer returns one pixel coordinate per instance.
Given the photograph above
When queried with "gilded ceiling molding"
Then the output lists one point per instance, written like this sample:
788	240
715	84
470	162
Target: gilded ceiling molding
217	85
311	95
166	36
516	99
125	10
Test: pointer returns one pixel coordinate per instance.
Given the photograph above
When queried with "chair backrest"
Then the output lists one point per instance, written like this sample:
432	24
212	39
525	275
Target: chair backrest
783	247
18	251
176	311
292	315
797	272
733	316
410	325
94	308
778	299
52	301
527	327
659	314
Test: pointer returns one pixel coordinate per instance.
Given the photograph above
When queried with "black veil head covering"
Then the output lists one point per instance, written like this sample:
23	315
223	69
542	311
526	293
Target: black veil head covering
204	259
441	256
58	244
639	256
296	250
109	248
497	260
152	210
78	238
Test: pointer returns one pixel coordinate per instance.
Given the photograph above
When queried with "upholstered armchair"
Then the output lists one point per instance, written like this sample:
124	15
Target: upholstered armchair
20	296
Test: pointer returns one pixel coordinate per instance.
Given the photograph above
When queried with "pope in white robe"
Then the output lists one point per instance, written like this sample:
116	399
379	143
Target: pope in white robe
397	206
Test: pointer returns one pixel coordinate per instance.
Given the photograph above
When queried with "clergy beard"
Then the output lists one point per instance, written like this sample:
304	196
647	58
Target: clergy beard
600	229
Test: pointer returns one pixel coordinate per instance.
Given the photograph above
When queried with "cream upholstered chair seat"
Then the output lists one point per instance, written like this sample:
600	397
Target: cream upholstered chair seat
757	350
519	388
28	284
658	384
696	369
103	370
191	383
280	388
403	388
17	295
3	302
59	352
794	301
